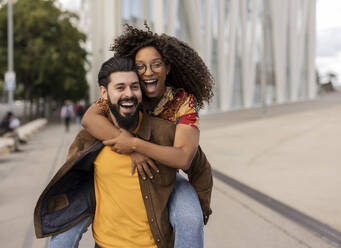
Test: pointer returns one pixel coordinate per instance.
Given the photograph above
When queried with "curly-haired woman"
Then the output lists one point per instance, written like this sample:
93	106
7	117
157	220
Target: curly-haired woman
175	83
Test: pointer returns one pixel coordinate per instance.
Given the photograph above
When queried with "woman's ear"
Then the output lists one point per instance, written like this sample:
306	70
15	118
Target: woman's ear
168	68
104	92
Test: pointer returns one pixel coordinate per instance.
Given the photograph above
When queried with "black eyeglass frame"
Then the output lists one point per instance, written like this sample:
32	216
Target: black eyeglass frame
141	71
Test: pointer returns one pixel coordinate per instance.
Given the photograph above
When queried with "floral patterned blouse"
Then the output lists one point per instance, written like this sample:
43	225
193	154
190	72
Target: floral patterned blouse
176	106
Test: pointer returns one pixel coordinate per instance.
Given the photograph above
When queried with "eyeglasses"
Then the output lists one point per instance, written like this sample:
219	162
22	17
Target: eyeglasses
154	67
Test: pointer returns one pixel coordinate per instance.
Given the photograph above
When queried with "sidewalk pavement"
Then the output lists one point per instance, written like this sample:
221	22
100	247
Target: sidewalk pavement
23	176
291	155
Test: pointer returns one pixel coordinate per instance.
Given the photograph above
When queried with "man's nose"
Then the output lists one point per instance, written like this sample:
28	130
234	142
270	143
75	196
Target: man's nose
128	92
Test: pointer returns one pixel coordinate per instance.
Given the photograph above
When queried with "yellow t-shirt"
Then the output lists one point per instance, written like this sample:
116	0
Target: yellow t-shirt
120	218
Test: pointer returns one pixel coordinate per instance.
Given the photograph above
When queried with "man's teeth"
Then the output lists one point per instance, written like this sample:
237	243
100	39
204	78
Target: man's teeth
127	105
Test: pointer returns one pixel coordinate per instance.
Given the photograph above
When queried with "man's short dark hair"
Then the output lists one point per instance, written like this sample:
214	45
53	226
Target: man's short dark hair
115	64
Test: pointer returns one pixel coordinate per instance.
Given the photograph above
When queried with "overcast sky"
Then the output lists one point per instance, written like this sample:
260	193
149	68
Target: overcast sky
328	46
71	4
328	50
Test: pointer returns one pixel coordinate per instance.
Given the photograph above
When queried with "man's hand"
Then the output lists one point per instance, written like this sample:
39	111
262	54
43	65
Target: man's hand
142	163
123	144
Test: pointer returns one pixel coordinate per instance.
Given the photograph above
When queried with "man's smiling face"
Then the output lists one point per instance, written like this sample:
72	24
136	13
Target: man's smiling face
123	94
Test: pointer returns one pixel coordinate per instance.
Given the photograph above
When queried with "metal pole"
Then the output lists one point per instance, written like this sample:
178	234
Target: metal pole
263	62
10	46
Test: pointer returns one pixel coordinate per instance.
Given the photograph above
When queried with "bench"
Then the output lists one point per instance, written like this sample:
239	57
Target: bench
27	130
6	144
24	133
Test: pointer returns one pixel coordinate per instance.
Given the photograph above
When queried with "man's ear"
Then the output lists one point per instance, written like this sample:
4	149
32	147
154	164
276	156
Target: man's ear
104	92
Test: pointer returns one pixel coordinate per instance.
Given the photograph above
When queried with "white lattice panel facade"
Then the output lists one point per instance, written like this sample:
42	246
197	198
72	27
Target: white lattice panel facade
261	52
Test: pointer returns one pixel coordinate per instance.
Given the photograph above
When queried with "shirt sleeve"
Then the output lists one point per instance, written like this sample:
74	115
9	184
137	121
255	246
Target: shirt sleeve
103	106
188	112
14	123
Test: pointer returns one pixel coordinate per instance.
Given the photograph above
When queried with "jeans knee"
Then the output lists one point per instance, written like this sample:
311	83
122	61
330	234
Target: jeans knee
184	205
189	220
183	188
193	218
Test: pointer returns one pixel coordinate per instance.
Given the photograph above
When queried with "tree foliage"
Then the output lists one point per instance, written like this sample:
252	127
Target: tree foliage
49	58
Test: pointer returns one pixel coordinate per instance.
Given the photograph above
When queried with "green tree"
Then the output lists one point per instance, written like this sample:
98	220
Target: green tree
49	58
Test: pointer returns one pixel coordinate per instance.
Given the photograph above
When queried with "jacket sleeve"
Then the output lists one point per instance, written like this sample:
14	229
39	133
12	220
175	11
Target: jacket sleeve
200	176
74	147
82	142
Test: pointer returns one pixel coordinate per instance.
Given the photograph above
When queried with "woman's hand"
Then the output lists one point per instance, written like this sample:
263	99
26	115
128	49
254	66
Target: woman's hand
123	144
143	164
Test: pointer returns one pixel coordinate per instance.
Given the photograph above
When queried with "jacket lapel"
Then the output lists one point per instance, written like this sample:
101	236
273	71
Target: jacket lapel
144	131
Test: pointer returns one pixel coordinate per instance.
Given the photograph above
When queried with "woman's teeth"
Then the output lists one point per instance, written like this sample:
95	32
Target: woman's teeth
148	82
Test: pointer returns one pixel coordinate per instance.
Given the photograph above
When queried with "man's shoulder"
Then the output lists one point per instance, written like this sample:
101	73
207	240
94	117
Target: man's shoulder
162	131
81	143
85	136
158	124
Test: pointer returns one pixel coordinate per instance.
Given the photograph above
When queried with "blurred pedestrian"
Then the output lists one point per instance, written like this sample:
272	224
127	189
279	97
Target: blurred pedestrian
9	126
67	114
79	110
5	124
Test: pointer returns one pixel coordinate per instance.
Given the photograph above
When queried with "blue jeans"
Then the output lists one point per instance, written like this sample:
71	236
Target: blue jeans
185	216
70	238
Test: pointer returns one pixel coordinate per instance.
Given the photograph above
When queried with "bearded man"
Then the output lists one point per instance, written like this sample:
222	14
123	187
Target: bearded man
95	184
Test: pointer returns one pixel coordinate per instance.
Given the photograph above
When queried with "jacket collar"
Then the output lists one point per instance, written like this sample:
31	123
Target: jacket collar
145	128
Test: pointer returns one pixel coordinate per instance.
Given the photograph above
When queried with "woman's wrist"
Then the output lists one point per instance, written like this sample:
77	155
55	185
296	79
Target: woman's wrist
134	144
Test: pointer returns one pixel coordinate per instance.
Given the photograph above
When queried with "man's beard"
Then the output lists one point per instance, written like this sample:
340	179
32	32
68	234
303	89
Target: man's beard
130	120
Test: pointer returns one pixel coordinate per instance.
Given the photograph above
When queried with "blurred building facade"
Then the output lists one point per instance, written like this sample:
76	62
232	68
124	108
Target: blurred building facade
260	52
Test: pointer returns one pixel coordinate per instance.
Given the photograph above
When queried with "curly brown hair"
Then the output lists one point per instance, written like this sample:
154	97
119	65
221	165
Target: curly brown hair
188	70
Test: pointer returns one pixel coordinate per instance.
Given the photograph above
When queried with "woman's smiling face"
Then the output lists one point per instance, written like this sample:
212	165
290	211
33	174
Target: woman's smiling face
152	71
